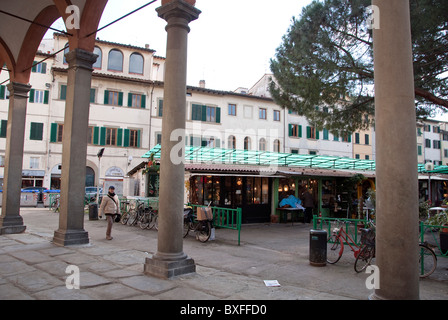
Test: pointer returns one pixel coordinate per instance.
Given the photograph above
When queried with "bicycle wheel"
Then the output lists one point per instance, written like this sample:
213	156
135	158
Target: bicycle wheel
187	227
427	261
125	218
133	217
364	258
203	231
334	249
152	221
145	220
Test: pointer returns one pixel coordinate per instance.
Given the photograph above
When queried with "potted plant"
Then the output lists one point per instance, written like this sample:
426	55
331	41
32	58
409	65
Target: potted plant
440	220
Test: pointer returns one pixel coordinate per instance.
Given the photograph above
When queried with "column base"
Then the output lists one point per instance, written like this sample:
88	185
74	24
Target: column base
65	238
11	225
167	269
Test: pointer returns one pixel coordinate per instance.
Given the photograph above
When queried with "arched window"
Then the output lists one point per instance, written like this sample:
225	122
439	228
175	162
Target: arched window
262	144
99	60
231	142
276	145
247	143
115	62
136	62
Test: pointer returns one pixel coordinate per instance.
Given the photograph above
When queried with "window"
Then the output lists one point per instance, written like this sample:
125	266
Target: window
295	131
262	144
427	143
276	115
56	133
232	109
136	100
90	135
205	113
357	138
4	92
115	62
366	137
262	114
427	128
39	68
34	163
419	150
276	145
231	142
136	62
312	133
436	144
3	127
160	108
247	143
36	131
113	98
134	138
99	60
111	136
39	96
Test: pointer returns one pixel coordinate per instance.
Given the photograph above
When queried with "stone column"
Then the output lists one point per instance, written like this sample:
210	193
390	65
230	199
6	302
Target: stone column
396	154
74	151
10	220
170	260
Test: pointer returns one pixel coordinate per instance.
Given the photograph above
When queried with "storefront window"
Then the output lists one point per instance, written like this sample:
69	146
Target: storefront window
239	191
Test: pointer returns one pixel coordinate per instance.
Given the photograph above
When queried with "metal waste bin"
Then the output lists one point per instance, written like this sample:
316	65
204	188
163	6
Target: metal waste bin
93	211
318	248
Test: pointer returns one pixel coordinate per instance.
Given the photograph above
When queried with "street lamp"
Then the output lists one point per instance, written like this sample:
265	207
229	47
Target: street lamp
99	154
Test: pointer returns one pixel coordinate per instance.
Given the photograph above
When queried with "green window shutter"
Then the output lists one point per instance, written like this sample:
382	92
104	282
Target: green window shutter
102	136
196	112
92	95
63	93
120	137
44	67
3	128
129	99
204	113
126	138
419	150
325	132
143	105
160	111
218	115
54	132
32	95
357	138
290	129
350	137
36	131
106	96
300	131
120	99
317	134
2	92
308	132
139	132
46	96
96	135
34	67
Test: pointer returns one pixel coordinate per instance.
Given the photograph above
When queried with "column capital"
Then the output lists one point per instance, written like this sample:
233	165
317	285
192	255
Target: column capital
80	58
19	90
182	11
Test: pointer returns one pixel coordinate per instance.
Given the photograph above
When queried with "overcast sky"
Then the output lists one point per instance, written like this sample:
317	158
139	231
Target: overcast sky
230	45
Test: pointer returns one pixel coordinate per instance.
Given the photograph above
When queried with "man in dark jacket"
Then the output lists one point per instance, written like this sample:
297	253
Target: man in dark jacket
308	203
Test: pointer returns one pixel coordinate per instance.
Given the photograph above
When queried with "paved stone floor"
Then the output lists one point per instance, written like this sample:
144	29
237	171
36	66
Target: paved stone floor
32	268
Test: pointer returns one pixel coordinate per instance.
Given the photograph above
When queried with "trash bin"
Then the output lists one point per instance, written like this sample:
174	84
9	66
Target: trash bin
93	211
318	248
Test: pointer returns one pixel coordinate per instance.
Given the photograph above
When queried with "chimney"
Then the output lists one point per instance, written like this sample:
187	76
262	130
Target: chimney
202	84
147	46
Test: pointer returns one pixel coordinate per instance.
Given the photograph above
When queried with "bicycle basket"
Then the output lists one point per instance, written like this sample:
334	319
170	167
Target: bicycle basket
368	237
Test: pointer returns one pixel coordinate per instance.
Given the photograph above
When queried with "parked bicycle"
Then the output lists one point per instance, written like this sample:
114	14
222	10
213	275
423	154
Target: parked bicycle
427	261
148	218
56	203
336	242
202	228
367	252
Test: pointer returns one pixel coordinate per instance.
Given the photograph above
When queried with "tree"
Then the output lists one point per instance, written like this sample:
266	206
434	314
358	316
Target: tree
324	66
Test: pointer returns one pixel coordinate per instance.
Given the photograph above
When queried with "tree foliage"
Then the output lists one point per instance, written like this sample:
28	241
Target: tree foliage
324	66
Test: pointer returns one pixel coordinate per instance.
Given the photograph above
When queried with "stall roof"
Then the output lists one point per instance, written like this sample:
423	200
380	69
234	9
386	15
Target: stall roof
272	160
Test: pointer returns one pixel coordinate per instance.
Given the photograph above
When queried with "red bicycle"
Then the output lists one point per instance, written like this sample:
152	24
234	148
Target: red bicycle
336	244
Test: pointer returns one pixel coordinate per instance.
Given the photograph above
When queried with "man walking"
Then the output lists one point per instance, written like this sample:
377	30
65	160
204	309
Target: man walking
308	203
109	206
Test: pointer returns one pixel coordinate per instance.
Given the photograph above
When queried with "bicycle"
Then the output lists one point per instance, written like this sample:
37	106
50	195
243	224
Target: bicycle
149	219
367	252
427	260
56	203
202	228
335	245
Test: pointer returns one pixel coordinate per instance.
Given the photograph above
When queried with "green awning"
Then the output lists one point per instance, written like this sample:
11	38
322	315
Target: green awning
265	158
